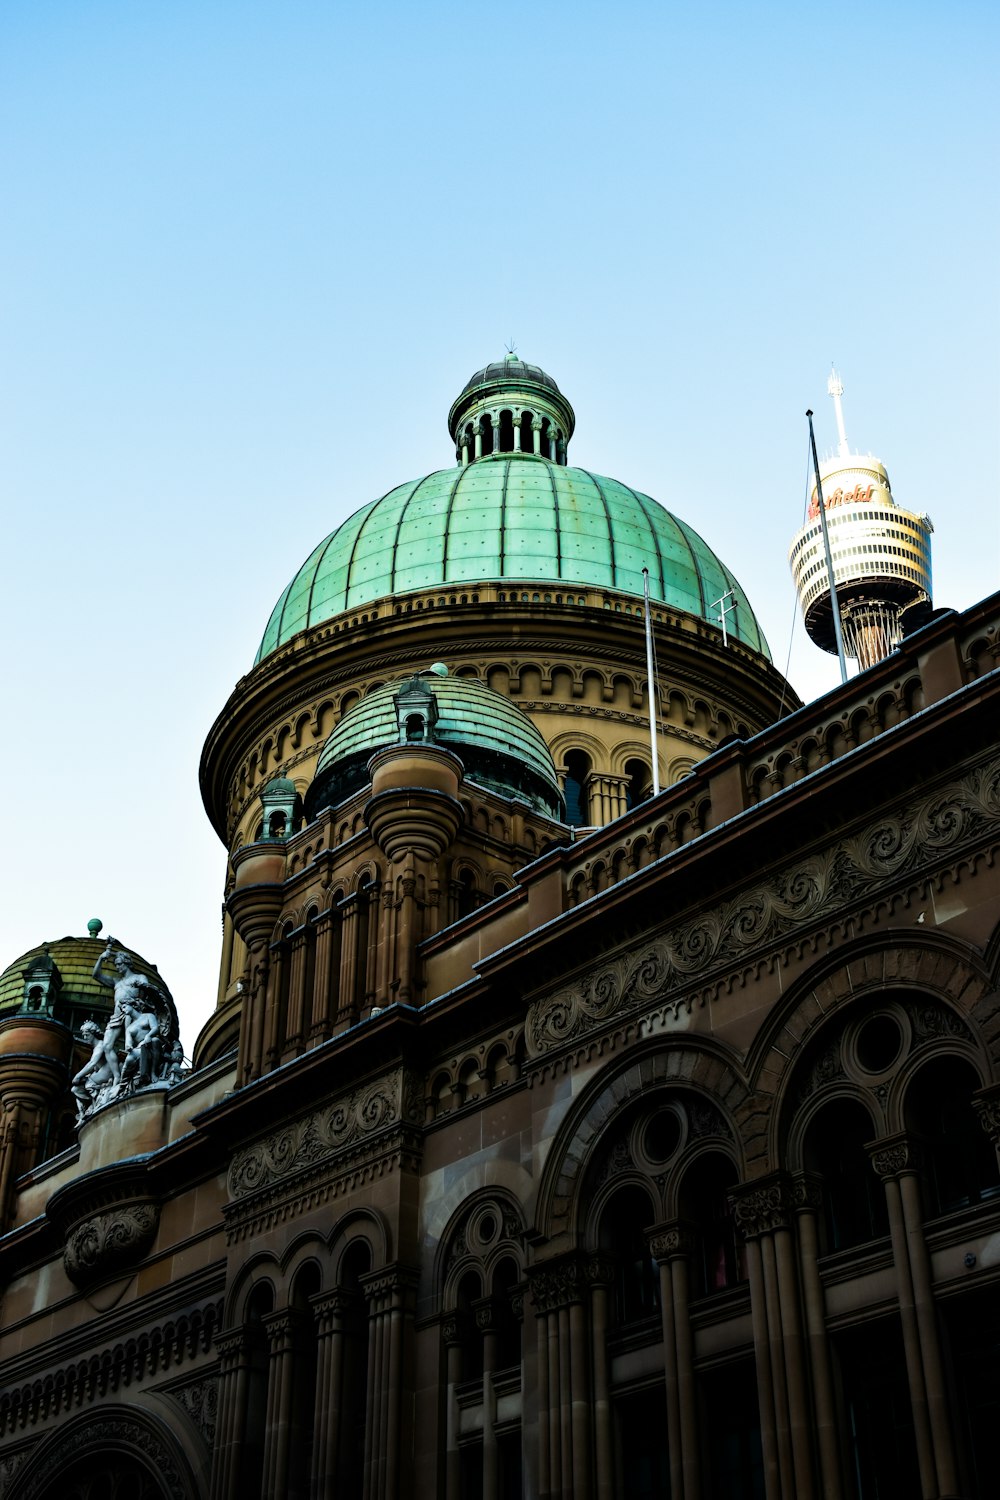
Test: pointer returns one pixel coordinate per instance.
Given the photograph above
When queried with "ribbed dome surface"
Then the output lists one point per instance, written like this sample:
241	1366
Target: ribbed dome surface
499	744
75	958
514	370
505	518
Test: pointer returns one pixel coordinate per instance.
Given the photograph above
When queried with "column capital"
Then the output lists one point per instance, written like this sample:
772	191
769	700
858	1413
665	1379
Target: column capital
486	1314
280	1328
895	1156
388	1286
986	1103
451	1328
670	1241
329	1307
807	1192
556	1284
762	1207
231	1344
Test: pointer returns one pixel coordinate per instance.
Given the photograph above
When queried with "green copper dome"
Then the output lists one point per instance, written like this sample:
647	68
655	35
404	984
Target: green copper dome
497	743
512	516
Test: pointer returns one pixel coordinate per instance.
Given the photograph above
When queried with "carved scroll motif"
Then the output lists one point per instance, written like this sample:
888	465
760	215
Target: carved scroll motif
110	1241
799	896
387	1101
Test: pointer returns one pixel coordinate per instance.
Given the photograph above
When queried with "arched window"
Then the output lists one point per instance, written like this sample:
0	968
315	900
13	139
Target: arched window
470	1289
577	771
626	1217
960	1163
251	1459
414	728
527	436
357	1262
505	1279
638	781
506	444
718	1260
486	425
303	1375
854	1208
466	894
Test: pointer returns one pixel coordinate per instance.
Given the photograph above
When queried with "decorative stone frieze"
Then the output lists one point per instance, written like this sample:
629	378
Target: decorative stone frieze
800	895
762	1207
150	1353
391	1100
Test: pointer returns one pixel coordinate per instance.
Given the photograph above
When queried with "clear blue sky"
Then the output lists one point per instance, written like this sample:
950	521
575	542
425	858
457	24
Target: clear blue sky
251	252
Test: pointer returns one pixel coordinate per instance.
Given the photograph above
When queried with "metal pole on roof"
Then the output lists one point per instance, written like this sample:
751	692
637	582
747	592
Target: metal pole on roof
651	684
838	633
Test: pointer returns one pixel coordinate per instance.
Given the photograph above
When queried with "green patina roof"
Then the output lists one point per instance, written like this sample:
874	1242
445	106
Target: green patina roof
75	958
512	517
483	727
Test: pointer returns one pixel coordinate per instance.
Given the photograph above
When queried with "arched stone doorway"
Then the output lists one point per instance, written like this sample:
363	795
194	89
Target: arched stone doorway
120	1455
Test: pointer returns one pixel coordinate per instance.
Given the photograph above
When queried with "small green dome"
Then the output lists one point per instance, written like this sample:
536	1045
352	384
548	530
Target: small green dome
507	371
80	995
514	516
497	743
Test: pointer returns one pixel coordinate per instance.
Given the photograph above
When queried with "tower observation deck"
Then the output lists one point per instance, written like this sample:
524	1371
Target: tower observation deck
881	555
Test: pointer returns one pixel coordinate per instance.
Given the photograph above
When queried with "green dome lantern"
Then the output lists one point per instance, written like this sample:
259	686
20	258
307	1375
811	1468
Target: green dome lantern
498	745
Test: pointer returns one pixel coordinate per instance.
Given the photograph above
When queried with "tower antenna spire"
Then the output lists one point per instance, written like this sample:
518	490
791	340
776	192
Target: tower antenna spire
835	388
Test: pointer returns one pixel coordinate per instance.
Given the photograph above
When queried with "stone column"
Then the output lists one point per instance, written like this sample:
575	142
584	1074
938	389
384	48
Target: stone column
516	419
553	445
536	435
808	1201
465	447
485	1314
329	1310
234	1361
323	999
670	1246
292	1043
559	1294
389	1295
273	1019
347	1010
599	1276
763	1213
451	1332
280	1329
897	1162
477	433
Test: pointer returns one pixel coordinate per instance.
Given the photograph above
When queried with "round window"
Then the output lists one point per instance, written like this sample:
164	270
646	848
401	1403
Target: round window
662	1135
878	1045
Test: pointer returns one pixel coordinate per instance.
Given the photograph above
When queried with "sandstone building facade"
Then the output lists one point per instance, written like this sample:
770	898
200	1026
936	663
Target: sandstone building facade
549	1137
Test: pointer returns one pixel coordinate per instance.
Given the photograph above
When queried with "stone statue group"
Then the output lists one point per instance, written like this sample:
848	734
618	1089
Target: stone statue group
135	1050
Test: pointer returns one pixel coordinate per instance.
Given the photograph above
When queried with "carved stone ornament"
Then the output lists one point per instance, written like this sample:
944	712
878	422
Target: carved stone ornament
802	894
557	1286
987	1107
104	1436
669	1241
110	1241
891	1158
200	1400
762	1208
387	1101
